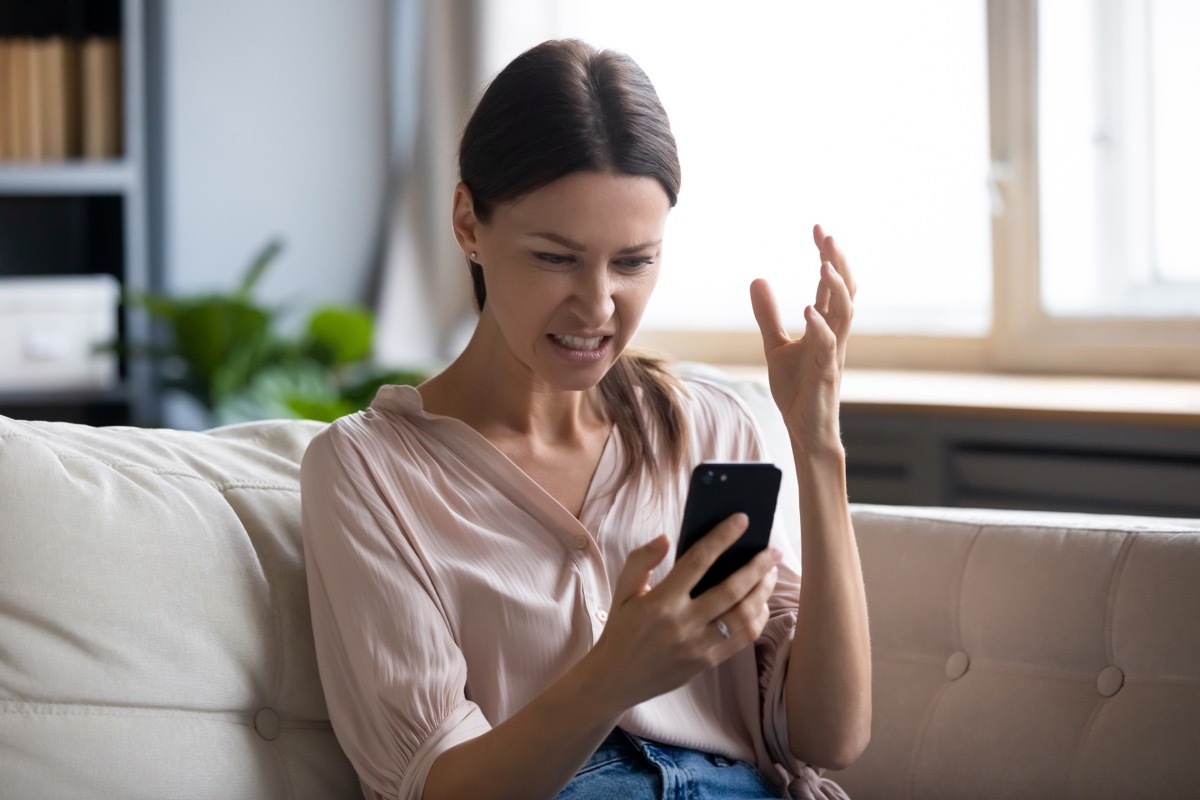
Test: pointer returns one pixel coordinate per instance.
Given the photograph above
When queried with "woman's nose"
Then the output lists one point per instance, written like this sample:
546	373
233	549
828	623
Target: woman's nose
594	293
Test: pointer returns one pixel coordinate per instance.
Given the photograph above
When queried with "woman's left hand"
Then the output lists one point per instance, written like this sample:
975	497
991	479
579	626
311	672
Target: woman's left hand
806	373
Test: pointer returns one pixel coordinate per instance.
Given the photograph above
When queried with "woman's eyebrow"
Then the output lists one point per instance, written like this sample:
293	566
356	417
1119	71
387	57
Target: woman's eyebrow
637	247
573	245
562	240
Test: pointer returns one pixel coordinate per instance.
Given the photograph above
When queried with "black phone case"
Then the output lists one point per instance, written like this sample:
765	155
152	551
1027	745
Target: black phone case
718	490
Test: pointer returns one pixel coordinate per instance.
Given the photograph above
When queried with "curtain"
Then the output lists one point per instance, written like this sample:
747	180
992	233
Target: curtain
424	308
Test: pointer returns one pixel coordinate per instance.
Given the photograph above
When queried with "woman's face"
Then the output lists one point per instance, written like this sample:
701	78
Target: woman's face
569	269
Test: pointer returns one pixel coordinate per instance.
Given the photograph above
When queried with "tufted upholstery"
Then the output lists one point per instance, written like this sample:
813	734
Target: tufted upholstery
154	632
155	642
1031	655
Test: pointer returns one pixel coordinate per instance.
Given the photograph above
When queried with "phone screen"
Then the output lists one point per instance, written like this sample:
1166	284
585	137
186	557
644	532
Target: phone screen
718	490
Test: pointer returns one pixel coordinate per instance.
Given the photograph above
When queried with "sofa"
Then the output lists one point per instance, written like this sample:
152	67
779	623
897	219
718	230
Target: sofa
155	640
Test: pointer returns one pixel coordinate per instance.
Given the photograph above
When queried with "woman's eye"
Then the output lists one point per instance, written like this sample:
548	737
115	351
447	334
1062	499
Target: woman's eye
552	258
635	263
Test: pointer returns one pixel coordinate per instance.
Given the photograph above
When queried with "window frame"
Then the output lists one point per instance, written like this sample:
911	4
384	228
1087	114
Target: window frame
1023	337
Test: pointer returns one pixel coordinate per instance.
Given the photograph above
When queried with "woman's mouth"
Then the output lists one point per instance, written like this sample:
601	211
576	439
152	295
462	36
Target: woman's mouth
581	349
578	342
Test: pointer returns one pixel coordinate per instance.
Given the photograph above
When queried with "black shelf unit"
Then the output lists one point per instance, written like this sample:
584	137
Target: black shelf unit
85	217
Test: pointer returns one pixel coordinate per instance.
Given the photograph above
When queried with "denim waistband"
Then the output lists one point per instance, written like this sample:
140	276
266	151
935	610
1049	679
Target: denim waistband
629	766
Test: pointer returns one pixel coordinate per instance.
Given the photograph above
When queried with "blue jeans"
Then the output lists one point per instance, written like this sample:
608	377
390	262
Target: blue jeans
630	768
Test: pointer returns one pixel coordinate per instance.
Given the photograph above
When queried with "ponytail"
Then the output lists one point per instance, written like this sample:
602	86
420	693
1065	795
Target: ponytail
640	382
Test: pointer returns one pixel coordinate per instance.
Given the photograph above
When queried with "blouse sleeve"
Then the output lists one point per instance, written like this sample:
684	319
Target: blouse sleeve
393	675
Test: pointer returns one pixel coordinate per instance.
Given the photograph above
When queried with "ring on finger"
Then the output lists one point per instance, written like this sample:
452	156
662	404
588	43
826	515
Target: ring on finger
722	629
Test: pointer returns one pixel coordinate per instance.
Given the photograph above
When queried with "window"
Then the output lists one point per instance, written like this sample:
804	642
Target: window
1016	183
787	122
1120	160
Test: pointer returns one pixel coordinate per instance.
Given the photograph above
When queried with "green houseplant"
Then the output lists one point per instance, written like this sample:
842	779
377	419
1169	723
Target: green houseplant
226	351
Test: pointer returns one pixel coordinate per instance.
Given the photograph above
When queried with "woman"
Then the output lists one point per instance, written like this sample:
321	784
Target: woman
494	608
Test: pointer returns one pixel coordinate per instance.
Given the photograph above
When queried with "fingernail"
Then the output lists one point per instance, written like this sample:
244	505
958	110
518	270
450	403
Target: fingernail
741	520
776	555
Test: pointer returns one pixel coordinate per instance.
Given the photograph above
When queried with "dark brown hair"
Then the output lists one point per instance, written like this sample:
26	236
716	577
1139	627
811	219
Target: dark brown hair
563	107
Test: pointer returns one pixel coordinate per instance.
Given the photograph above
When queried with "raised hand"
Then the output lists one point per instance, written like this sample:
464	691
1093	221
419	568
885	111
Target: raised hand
806	373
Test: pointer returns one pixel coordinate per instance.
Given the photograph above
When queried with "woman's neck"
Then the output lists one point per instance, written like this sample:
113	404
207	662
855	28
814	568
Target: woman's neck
503	399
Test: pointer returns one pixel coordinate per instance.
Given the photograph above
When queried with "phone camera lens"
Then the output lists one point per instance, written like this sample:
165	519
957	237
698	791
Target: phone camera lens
707	478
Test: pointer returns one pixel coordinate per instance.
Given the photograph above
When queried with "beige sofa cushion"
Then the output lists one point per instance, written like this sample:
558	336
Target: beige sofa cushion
155	640
1030	655
154	630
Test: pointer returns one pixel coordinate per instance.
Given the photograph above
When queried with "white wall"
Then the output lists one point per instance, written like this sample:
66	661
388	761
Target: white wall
275	123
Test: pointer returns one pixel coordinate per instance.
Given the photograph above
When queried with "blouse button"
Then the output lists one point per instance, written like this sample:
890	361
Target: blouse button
581	543
602	615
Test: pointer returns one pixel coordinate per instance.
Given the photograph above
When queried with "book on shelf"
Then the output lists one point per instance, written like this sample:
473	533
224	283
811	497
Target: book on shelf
5	111
20	103
101	98
54	81
60	98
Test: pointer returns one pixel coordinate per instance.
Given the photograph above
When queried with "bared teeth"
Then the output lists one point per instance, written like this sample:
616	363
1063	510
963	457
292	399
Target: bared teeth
578	342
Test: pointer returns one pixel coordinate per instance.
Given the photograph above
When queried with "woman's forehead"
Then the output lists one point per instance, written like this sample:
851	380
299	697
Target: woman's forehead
583	204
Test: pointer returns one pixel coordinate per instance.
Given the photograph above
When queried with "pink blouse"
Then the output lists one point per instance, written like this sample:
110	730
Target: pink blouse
448	589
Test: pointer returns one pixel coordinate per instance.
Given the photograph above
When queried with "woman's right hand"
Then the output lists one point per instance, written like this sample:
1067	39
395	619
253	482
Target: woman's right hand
657	639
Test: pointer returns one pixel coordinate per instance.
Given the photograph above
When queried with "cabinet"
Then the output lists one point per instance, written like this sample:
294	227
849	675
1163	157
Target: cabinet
1119	446
1039	442
71	215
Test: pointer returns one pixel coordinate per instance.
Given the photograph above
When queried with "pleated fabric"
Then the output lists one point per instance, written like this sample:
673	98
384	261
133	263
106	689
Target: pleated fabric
448	589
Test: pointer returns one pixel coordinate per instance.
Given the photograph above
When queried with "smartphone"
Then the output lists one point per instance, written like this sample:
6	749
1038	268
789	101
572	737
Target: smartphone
719	490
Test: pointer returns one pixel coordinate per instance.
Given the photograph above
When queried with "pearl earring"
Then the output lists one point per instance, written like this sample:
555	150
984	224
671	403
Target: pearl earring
474	256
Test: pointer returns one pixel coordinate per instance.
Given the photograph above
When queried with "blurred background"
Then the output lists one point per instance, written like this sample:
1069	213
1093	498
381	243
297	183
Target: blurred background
1016	182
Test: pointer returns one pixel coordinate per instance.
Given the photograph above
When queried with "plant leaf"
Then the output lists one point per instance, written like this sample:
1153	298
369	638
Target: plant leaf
164	308
321	410
362	391
340	334
209	331
258	265
269	394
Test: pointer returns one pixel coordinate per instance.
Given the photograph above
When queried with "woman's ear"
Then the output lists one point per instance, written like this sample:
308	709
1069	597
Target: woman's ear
466	226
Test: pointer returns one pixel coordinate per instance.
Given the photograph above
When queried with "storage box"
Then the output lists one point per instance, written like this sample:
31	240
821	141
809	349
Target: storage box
51	330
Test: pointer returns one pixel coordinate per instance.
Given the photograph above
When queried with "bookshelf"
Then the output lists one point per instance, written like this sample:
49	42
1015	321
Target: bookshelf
74	180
